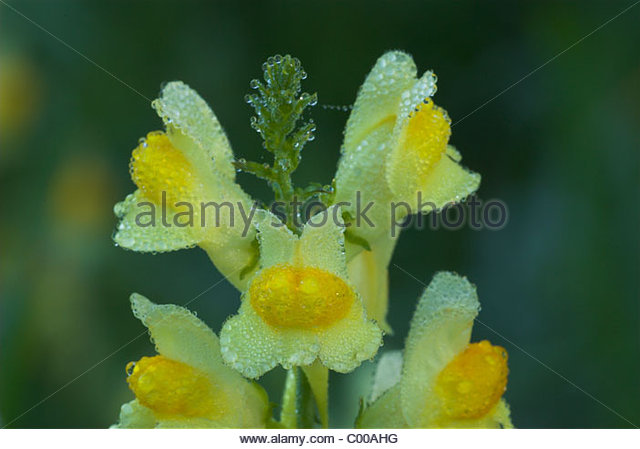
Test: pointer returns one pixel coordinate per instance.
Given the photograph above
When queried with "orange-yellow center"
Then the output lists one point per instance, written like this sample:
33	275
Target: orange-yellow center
157	166
287	296
474	381
173	389
426	136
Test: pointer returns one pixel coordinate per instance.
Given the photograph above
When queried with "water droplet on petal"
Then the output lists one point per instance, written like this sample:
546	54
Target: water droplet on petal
129	368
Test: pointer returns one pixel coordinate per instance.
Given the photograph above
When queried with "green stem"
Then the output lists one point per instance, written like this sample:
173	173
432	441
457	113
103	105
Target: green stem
318	377
288	414
298	409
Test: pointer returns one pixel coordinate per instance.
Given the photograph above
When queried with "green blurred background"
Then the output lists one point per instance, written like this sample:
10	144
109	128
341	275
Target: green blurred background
561	148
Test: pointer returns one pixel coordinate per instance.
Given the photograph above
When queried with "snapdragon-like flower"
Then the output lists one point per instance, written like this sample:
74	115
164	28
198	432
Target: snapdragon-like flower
187	194
187	385
299	306
395	151
444	380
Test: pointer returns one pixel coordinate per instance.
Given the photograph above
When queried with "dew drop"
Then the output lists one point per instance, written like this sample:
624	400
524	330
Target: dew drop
129	368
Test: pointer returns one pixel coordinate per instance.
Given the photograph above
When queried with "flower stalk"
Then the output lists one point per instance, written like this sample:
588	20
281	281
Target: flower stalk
298	411
279	106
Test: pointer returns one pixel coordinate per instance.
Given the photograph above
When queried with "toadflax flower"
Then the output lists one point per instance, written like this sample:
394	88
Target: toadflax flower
187	385
187	194
299	306
395	151
443	381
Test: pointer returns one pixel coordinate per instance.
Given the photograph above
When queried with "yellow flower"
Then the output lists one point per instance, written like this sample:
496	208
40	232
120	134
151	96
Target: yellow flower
187	385
187	194
443	381
300	306
395	151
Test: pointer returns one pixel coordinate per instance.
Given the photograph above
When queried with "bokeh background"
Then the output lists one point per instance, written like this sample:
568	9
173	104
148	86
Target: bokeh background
561	148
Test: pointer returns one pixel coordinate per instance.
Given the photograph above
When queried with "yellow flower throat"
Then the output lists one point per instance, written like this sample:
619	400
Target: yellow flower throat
300	297
157	166
426	136
474	381
173	389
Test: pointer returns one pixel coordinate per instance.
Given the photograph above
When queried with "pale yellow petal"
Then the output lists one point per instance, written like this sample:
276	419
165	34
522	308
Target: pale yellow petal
322	243
498	418
252	347
502	415
236	259
352	340
388	373
134	415
448	183
256	410
221	204
369	274
440	329
389	95
379	97
178	334
136	230
277	242
453	153
223	195
384	413
361	189
420	90
183	110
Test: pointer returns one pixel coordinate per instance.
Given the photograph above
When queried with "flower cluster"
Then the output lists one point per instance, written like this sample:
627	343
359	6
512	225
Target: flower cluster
314	294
